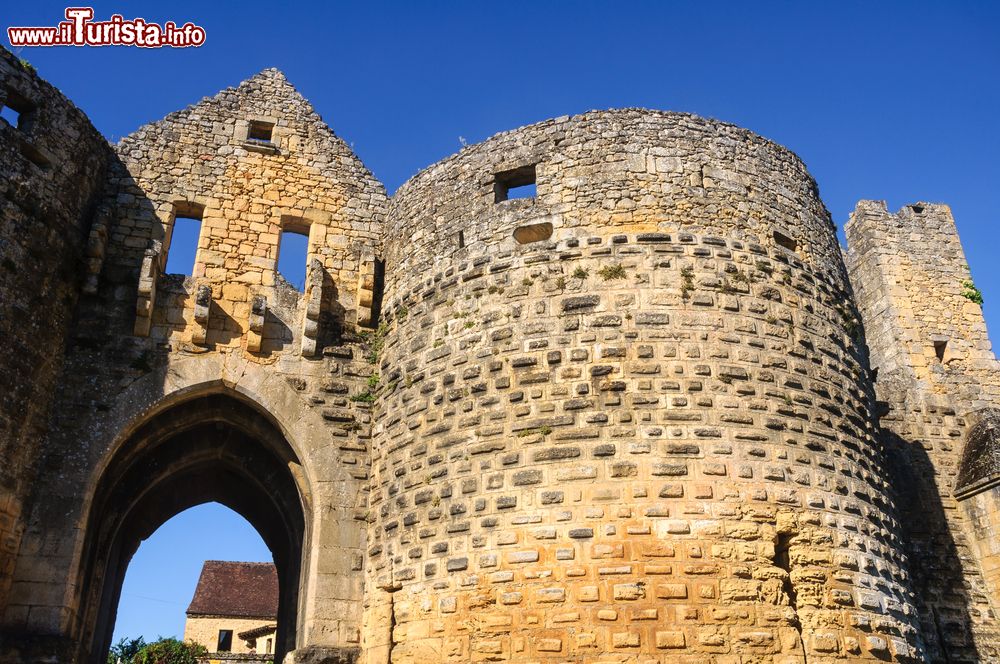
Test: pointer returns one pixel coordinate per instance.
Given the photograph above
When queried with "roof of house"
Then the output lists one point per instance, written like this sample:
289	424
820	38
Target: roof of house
227	588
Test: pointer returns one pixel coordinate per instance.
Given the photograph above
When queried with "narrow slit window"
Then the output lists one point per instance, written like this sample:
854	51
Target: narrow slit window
184	237
260	131
783	240
461	239
225	640
516	183
293	252
269	645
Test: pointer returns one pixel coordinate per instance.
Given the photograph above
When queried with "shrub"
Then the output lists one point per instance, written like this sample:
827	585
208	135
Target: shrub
161	651
970	292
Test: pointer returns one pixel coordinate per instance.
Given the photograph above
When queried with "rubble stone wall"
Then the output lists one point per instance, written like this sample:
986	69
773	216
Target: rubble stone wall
51	168
628	417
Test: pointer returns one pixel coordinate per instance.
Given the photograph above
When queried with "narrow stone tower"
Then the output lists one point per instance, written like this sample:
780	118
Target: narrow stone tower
939	385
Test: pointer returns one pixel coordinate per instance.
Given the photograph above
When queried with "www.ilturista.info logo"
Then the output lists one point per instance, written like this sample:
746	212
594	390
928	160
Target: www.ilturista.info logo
79	29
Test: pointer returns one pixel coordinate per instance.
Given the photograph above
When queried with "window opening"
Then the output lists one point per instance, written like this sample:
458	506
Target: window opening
516	183
260	131
184	237
293	251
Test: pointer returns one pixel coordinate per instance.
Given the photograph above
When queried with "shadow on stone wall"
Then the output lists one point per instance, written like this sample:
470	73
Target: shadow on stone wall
936	572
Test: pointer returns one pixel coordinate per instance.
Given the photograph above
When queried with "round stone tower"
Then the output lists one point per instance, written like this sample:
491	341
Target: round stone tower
627	416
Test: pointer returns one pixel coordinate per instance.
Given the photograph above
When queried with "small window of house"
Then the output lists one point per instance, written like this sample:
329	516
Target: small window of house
184	238
260	131
293	251
516	183
269	645
225	640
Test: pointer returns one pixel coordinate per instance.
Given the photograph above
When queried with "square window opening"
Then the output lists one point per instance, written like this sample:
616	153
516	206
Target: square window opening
260	131
184	238
515	183
17	110
784	241
225	640
293	252
11	116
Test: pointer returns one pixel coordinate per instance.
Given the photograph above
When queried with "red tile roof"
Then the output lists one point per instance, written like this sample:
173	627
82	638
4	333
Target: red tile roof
226	588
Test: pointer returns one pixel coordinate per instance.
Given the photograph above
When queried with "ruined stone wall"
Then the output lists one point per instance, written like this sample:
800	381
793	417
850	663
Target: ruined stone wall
629	417
935	370
145	339
51	165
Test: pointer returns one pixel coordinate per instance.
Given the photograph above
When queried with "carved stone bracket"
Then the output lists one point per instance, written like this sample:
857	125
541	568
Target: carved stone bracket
149	272
314	306
366	291
258	311
202	307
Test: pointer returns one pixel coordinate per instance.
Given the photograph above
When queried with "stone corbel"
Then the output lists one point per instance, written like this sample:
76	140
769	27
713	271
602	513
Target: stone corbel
258	311
366	291
96	244
202	307
314	306
149	272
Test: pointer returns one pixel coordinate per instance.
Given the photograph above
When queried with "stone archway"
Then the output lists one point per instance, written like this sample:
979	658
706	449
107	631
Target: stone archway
210	447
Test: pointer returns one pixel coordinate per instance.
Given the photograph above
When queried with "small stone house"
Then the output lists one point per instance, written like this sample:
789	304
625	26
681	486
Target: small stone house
234	610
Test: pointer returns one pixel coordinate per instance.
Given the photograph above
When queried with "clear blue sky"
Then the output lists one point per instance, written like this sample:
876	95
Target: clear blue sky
883	100
163	573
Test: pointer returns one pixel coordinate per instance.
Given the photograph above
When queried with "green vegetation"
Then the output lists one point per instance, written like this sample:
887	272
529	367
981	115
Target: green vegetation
369	395
609	272
971	293
687	282
125	650
373	341
581	273
27	65
161	651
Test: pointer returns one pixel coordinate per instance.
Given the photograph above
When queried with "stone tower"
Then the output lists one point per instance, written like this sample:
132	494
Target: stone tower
629	417
938	384
626	417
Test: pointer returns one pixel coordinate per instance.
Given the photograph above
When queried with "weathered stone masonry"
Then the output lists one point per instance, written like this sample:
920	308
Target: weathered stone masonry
53	166
629	419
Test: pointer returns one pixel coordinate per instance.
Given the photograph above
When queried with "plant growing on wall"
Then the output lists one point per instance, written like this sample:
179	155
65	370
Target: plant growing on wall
970	292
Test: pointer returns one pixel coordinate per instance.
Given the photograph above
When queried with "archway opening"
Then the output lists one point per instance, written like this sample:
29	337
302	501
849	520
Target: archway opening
165	574
214	448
